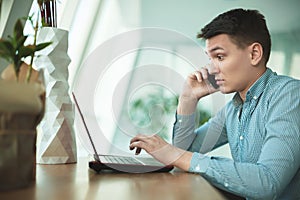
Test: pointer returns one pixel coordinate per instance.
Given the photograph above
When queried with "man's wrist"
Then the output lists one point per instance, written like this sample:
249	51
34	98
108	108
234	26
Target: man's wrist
168	154
171	155
186	105
183	162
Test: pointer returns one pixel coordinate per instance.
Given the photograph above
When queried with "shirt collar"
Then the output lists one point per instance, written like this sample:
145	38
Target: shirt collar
256	89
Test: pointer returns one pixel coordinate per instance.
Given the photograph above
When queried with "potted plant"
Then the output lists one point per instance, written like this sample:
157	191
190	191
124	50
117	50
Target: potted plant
21	109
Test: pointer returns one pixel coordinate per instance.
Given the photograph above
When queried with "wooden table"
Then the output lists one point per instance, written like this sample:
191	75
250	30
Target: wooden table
76	181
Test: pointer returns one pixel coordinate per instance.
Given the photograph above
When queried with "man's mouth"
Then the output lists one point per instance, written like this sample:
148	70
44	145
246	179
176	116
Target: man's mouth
219	81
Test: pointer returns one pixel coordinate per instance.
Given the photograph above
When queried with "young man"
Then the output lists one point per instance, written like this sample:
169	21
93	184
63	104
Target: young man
261	123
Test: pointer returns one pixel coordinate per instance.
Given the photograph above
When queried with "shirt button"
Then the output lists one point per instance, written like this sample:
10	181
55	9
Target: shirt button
226	184
180	120
241	137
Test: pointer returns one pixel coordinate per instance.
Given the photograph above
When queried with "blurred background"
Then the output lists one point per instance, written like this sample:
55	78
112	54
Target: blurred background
92	22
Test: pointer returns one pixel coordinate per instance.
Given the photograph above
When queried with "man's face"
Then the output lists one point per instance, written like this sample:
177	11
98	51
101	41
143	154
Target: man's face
231	64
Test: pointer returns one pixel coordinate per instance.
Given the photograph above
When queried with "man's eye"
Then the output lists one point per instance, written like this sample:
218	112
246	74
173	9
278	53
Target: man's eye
220	57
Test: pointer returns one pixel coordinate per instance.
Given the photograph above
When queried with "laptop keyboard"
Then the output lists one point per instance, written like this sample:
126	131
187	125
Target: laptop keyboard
119	159
149	161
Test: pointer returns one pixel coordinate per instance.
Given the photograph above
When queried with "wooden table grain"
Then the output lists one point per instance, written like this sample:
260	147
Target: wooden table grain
77	181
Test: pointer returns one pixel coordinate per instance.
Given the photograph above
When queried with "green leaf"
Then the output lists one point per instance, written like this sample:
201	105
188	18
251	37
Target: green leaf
13	48
42	46
21	41
7	48
12	41
18	29
17	64
25	51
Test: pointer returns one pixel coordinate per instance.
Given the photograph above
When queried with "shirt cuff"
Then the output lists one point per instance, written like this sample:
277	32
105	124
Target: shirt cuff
199	163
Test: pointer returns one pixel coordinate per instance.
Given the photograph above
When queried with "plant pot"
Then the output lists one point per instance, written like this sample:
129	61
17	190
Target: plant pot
18	120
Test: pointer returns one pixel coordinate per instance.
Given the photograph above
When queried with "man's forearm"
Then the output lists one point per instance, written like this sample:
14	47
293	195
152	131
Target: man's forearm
171	155
184	161
186	106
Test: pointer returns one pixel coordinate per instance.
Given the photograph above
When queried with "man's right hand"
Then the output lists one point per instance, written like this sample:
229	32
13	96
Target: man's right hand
195	87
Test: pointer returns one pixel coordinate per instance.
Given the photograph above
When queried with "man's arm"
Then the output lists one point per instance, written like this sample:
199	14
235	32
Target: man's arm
195	87
279	158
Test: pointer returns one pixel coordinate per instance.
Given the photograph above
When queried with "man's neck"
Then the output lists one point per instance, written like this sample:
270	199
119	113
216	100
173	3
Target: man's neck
257	75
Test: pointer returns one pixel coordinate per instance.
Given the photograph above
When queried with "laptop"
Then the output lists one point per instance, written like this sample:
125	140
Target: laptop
130	164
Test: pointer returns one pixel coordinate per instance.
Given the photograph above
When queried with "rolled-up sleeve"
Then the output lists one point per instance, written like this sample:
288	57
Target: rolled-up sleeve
183	131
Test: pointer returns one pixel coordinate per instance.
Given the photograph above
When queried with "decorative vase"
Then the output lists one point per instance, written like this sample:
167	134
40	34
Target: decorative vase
56	142
21	110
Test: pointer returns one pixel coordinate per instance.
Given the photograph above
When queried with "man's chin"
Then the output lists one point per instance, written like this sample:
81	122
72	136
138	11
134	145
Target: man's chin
225	90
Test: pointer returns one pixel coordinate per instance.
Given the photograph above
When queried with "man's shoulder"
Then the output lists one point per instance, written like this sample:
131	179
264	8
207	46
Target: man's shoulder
283	90
280	82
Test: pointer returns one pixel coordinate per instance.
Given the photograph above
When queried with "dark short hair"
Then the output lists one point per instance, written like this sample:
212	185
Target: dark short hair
244	28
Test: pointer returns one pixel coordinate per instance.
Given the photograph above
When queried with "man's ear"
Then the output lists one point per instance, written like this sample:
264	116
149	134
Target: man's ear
256	53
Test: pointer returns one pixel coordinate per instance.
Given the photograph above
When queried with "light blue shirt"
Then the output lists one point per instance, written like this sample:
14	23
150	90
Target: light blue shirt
264	138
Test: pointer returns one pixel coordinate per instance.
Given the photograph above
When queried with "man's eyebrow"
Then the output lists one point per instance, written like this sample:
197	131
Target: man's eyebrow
215	49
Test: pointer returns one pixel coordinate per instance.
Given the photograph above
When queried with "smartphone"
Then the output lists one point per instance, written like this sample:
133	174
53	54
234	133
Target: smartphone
212	80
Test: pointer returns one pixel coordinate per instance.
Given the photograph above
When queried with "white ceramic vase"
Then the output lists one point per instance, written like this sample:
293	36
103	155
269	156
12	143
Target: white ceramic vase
56	141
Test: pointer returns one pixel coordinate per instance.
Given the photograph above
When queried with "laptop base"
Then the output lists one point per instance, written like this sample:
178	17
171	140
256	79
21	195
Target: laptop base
98	167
